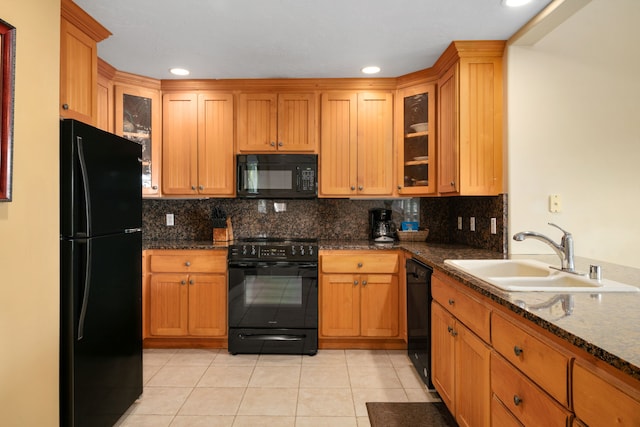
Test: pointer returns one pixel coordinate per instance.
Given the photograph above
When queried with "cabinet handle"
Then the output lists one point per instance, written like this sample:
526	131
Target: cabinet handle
188	263
451	301
399	187
364	283
453	183
65	106
353	187
355	283
154	187
183	282
201	187
517	400
360	187
449	329
280	144
273	144
193	187
191	282
517	350
359	265
454	333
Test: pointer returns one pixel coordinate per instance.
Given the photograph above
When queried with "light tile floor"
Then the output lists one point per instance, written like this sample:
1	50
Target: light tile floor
192	387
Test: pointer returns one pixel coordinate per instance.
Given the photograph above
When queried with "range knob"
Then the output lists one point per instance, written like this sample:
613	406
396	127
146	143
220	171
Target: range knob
301	250
253	250
310	250
244	249
293	250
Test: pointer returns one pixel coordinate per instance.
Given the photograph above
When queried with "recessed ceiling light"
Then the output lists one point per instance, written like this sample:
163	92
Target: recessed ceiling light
179	71
371	70
515	3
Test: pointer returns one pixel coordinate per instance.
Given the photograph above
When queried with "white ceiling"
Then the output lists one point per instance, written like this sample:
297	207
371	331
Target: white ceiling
221	39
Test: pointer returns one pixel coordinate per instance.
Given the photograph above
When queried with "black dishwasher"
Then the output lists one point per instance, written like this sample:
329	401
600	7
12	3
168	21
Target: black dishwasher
419	318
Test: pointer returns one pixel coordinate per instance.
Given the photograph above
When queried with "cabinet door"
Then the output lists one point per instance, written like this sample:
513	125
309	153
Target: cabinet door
78	74
448	132
338	147
179	151
473	390
216	169
415	135
379	305
208	305
340	305
168	304
375	144
257	122
297	122
442	355
138	116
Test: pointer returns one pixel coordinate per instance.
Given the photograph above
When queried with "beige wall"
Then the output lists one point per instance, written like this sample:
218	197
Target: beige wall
574	130
29	224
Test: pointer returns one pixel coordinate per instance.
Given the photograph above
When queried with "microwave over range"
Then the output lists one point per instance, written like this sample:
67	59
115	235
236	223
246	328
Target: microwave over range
277	176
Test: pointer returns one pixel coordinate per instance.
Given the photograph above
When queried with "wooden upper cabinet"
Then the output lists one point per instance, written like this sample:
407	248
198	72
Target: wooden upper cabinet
470	114
138	116
356	146
416	141
198	154
79	35
270	122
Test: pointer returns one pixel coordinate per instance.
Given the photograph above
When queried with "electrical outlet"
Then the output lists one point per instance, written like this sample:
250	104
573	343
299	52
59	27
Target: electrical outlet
170	220
494	226
459	223
555	203
472	223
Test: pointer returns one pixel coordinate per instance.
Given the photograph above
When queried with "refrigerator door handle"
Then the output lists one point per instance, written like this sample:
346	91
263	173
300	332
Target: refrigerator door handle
132	230
85	290
85	185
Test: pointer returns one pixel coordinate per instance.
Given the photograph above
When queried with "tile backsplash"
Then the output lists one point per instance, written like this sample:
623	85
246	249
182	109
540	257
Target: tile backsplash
326	219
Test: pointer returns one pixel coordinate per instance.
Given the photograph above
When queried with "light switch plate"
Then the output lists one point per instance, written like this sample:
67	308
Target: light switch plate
170	220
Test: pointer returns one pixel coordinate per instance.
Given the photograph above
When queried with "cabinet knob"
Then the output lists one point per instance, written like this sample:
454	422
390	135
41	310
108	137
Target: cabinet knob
517	400
355	282
191	282
353	187
188	263
359	265
193	187
453	183
449	329
280	144
65	106
183	282
273	144
451	301
399	187
454	333
201	187
154	187
360	187
364	283
517	350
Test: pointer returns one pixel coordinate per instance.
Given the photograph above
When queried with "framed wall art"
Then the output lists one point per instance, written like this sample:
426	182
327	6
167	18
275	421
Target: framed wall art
7	71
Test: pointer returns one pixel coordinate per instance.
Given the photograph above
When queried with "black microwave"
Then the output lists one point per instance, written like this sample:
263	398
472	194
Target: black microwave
277	176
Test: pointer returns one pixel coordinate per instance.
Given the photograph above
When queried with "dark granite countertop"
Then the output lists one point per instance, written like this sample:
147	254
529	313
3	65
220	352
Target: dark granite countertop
605	325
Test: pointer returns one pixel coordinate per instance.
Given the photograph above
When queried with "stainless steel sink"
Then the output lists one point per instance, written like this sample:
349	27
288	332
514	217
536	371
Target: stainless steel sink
534	276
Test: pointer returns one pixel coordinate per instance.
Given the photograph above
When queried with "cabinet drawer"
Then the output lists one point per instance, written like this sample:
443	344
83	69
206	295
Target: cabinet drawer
360	263
526	401
188	263
544	364
468	310
598	399
500	416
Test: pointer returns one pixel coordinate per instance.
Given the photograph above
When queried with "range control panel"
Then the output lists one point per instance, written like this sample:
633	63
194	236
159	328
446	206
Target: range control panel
271	252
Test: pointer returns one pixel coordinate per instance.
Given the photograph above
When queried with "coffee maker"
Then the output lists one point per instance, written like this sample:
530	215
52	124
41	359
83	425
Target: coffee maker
380	225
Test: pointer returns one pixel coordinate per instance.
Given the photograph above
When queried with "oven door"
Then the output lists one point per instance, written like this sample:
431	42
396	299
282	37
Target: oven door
277	295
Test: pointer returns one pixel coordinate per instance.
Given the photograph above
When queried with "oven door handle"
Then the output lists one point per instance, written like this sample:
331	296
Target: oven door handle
271	337
305	265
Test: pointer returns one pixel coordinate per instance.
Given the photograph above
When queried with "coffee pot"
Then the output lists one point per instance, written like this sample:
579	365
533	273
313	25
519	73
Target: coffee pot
380	225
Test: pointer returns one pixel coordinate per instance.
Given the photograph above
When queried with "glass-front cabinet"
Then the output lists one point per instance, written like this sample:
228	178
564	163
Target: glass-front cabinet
416	140
138	118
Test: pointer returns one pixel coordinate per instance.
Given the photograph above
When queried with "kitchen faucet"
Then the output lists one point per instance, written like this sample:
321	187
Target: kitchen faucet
564	249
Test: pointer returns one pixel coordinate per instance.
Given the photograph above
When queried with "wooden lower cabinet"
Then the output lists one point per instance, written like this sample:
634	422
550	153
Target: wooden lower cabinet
185	299
460	369
359	300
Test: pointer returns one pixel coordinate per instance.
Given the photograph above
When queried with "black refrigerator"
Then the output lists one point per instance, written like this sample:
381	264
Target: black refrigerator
100	275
